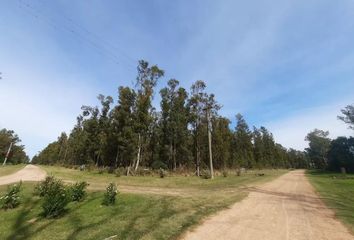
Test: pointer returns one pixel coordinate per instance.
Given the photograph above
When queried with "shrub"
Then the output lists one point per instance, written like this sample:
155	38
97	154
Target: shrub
110	170
56	197
158	164
162	173
109	197
205	174
41	188
100	170
77	191
225	173
11	199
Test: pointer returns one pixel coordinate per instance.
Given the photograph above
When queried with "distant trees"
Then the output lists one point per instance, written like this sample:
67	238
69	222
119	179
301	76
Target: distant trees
132	133
319	144
17	154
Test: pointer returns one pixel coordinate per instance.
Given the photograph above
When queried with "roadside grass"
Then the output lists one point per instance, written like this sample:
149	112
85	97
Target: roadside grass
337	192
9	169
219	182
135	216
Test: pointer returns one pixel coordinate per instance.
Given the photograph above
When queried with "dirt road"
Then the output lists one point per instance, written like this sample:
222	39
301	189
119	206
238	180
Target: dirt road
28	173
286	208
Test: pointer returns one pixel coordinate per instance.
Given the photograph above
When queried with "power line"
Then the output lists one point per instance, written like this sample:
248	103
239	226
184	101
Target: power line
101	48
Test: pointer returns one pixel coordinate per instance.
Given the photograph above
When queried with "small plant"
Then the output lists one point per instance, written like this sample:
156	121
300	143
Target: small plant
162	173
110	170
205	174
55	198
77	191
225	173
100	170
41	188
11	199
109	197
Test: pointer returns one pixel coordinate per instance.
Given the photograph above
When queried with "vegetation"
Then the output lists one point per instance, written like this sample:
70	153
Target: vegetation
55	199
337	192
335	155
77	191
134	216
9	169
133	133
11	199
109	197
17	154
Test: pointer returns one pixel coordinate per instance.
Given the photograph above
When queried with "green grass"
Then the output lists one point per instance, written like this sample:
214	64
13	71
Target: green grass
182	182
337	192
8	169
135	216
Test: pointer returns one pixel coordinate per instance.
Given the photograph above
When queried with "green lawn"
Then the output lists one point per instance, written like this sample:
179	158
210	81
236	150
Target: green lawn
8	169
135	216
337	192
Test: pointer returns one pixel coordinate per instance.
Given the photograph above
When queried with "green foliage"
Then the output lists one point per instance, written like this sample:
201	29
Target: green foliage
55	197
17	154
11	199
109	197
43	187
158	165
131	133
348	117
205	174
341	154
319	144
78	191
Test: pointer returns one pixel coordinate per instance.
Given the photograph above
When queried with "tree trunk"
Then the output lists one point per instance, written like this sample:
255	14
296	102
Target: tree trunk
139	151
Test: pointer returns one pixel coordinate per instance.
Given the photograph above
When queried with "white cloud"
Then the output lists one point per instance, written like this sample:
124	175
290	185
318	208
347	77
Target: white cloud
291	131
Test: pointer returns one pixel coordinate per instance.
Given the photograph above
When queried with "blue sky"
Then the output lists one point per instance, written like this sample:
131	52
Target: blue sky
287	65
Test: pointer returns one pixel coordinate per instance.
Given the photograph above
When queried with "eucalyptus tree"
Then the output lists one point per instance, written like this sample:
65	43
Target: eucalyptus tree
348	115
174	123
145	83
242	144
319	144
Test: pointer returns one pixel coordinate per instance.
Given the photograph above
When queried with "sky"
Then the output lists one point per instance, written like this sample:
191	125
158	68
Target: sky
285	65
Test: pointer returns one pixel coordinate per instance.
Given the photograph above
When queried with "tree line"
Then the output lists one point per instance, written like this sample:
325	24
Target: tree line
132	133
10	147
332	154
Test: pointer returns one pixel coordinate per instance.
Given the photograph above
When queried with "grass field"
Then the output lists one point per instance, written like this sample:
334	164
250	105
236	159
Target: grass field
337	192
8	169
135	216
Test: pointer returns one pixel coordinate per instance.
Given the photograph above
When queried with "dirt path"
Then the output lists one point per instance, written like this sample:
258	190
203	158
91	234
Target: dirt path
286	208
28	173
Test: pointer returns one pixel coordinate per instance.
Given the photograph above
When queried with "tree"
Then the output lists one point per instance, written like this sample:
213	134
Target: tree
341	154
319	144
242	144
145	82
348	117
174	124
17	153
200	104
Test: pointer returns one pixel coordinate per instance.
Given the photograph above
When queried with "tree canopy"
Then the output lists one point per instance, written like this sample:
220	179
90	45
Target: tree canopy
130	132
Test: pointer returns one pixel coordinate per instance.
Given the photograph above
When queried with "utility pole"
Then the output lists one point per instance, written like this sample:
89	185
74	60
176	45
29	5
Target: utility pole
7	154
209	140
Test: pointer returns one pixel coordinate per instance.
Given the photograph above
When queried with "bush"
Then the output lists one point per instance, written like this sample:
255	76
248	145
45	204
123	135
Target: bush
205	174
77	191
11	199
158	164
41	188
225	173
110	170
100	170
162	173
109	197
56	197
